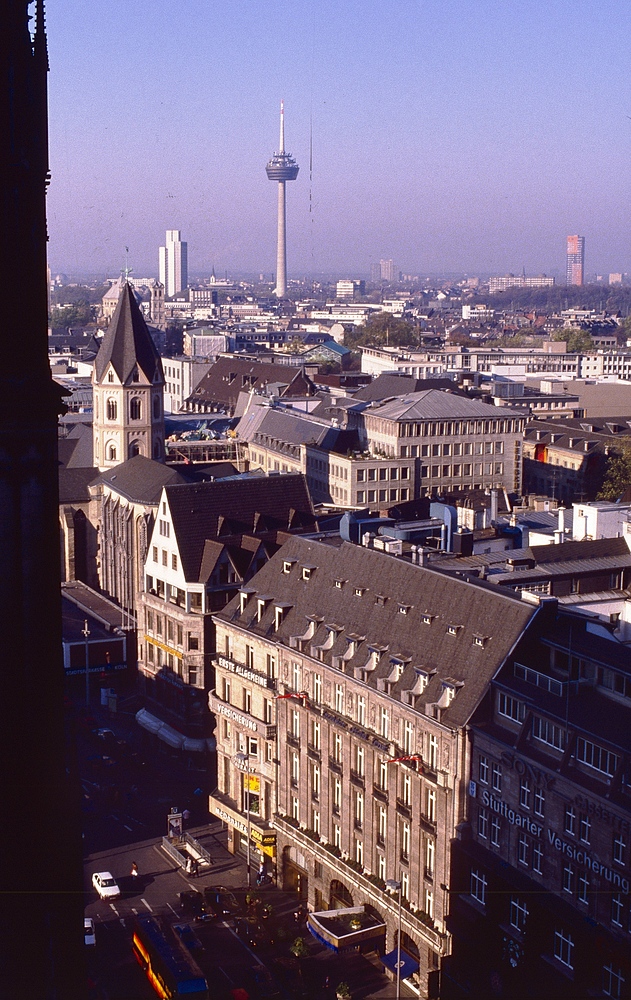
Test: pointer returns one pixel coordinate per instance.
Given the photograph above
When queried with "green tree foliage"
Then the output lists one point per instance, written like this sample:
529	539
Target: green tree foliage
618	475
76	315
611	298
578	341
382	329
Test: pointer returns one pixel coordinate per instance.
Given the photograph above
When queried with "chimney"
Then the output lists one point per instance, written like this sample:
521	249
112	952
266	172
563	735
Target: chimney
561	523
494	506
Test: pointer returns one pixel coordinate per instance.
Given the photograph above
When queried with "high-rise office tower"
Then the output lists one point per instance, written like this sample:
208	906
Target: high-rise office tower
282	167
383	271
173	263
41	902
575	260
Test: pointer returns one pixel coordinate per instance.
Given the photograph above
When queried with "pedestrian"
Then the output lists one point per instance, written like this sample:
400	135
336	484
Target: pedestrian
134	870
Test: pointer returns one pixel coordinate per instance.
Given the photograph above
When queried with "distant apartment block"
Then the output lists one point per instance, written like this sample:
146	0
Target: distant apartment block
173	263
519	281
348	290
575	269
427	364
383	271
182	375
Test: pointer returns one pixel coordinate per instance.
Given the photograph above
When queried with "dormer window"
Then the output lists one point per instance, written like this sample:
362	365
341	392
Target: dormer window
453	629
360	591
421	682
480	640
427	619
307	572
381	600
449	693
243	599
287	564
339	584
404	609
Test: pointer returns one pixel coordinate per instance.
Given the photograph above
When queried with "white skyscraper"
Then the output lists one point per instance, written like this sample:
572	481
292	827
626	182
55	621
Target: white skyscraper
173	263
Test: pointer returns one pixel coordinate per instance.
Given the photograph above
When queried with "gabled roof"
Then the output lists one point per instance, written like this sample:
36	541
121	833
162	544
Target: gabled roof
218	510
73	484
391	384
231	375
127	343
455	631
140	479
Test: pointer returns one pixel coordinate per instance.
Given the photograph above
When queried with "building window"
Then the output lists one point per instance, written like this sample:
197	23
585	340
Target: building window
619	847
537	858
478	886
613	981
111	409
617	909
511	708
539	801
496	826
432	752
524	793
583	887
483	770
295	808
546	732
429	903
135	410
407	790
295	723
431	805
359	761
361	710
405	886
383	775
518	913
384	723
563	948
523	849
154	553
585	828
408	737
317	688
337	747
596	757
315	824
337	835
295	768
382	829
381	867
315	780
568	879
496	778
315	734
483	823
570	821
339	699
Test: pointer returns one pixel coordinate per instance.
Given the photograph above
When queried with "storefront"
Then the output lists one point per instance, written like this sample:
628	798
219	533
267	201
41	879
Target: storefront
262	837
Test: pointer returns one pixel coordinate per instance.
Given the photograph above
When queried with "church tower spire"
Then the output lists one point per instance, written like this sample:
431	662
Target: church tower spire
128	389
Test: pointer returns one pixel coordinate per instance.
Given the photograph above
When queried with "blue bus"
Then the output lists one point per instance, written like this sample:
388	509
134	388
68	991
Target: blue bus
167	964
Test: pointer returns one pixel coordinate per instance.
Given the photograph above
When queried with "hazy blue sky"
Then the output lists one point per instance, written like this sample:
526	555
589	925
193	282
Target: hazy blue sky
449	135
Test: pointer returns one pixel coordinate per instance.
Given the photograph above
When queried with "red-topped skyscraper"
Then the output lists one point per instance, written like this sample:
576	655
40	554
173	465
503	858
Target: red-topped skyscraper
282	167
575	270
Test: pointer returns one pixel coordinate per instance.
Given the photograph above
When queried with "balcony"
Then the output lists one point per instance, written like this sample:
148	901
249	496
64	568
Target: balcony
293	741
380	793
357	779
335	765
404	808
313	752
370	886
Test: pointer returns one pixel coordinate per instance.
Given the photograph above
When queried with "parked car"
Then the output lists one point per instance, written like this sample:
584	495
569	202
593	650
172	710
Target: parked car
221	901
106	885
89	931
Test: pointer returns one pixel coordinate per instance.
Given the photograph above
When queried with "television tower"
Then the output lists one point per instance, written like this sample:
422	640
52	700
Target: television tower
282	167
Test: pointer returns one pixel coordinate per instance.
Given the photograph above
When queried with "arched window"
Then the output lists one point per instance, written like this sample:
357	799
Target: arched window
134	449
112	409
111	453
156	406
110	376
135	409
156	450
135	376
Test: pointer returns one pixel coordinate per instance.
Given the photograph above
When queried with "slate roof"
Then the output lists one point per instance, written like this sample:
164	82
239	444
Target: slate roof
436	404
73	484
231	375
140	479
75	450
127	343
374	618
227	507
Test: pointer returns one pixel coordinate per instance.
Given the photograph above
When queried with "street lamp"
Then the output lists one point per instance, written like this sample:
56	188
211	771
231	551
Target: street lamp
393	885
244	758
86	634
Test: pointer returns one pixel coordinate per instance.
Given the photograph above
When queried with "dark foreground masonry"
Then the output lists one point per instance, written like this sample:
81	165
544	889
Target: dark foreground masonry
41	901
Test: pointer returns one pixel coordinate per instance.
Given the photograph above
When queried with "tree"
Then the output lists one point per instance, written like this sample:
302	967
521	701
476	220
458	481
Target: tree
578	341
618	475
382	328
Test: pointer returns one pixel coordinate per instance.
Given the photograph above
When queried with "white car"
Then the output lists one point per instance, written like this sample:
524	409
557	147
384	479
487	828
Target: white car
105	885
89	931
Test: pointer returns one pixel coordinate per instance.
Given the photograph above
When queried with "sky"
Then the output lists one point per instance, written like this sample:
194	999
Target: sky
451	136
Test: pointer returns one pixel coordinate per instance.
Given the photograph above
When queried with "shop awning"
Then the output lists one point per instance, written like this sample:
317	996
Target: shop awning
160	729
409	965
148	721
196	746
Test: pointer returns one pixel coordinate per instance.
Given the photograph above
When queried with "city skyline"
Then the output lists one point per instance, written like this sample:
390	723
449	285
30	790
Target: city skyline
442	138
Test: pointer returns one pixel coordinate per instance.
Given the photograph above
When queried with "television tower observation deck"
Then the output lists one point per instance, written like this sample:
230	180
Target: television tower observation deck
282	167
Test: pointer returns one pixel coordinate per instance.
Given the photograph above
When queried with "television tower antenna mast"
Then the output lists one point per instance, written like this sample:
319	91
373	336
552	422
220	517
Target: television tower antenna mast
282	167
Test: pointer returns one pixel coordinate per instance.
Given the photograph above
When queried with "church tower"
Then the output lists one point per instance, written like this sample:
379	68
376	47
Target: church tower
128	384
